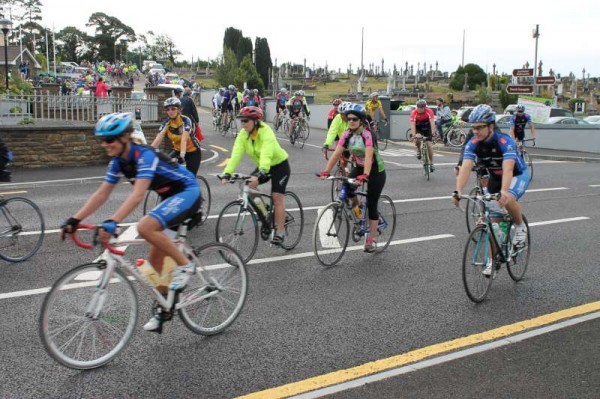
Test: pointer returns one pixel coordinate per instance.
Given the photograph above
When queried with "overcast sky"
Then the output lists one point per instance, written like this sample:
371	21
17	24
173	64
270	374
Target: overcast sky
330	32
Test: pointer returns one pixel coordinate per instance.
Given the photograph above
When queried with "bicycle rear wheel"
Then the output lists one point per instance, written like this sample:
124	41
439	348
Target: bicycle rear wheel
477	255
517	266
82	325
150	201
456	137
206	197
387	222
21	229
331	234
294	220
216	293
474	210
238	228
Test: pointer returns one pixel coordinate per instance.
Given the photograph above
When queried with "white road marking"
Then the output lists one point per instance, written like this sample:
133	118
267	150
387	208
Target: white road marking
576	219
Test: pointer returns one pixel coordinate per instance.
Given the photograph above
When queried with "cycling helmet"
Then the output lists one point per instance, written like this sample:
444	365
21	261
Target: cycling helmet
114	124
342	107
301	92
178	90
231	87
251	112
374	94
221	90
336	102
256	92
172	102
356	109
283	90
482	113
520	107
298	93
421	103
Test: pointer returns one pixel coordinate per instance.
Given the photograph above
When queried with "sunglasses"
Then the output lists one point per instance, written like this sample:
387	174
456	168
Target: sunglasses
109	139
352	119
478	128
245	120
172	109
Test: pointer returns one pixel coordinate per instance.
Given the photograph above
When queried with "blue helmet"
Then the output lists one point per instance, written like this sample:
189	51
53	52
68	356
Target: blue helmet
482	113
520	107
114	124
356	109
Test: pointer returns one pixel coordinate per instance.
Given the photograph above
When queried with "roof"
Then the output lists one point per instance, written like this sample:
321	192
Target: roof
14	56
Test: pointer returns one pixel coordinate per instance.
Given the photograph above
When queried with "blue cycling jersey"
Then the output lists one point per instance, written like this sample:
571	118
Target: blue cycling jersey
492	152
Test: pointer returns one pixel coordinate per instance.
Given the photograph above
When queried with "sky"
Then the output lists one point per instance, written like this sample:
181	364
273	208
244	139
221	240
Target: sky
329	33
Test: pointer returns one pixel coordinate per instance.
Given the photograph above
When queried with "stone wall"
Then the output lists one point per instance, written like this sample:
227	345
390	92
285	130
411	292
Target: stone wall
43	147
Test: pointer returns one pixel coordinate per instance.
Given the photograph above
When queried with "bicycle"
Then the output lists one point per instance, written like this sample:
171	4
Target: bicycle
409	136
237	223
526	157
22	228
217	119
280	121
455	136
332	228
484	248
90	313
381	142
231	125
473	211
152	199
342	168
300	132
423	150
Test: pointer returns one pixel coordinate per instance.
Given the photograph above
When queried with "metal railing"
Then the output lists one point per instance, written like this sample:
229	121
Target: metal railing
75	107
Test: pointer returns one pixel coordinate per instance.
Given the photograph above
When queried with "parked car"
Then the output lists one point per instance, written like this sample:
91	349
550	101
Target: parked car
503	118
156	71
138	95
560	112
510	109
594	119
565	120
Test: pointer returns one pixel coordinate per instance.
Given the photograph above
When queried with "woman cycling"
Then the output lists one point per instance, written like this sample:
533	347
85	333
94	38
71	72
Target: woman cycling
369	165
147	169
258	141
178	127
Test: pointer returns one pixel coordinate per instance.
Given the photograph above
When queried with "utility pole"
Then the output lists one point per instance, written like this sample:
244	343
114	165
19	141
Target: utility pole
462	64
536	34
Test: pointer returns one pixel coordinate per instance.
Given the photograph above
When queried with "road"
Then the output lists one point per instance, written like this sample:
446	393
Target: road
306	327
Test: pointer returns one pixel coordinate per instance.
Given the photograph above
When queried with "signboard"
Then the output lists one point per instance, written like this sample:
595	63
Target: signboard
545	80
523	72
519	89
538	111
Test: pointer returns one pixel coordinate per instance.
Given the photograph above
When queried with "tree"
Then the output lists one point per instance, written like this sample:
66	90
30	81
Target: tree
164	49
71	42
109	30
247	73
231	39
244	48
476	76
263	59
225	72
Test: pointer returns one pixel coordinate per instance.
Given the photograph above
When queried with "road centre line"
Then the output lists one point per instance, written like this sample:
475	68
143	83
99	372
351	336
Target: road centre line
594	185
547	222
377	370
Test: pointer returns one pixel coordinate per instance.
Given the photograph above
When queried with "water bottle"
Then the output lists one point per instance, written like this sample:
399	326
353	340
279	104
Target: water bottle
261	206
357	212
504	230
343	194
498	232
145	267
166	275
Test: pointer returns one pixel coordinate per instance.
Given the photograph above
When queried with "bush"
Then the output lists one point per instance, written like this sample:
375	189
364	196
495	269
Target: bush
16	110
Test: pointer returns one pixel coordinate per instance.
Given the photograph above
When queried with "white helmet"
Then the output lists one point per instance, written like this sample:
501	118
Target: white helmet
343	106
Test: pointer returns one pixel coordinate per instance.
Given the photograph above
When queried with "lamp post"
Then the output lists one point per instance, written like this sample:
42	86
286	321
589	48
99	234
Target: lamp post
5	26
536	35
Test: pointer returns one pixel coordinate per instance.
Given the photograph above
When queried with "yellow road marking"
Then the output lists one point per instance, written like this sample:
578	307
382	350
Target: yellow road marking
219	148
380	365
13	192
223	163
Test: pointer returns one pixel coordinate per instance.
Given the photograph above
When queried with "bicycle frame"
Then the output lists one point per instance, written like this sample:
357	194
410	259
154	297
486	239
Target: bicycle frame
247	195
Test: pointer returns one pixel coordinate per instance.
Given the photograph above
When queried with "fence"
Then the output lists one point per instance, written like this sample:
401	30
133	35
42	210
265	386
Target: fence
76	108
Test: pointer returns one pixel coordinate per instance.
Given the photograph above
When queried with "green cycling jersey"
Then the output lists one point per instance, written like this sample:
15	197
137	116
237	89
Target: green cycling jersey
337	128
263	149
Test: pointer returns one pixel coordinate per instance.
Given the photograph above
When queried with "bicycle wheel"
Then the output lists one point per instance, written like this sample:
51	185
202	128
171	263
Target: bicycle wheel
294	220
425	160
520	258
384	143
527	160
387	222
233	128
276	123
21	229
302	135
150	201
336	185
216	293
206	197
456	137
238	228
83	325
409	134
474	210
294	134
477	255
331	234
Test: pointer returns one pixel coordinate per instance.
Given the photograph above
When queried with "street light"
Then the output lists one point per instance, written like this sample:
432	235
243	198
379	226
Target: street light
536	35
5	26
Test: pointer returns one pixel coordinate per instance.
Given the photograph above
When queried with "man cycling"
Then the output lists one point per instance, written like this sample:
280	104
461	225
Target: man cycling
518	123
229	98
444	117
508	174
146	168
281	100
422	124
373	105
296	106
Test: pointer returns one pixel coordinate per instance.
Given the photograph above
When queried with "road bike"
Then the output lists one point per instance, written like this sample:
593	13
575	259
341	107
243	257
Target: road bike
300	131
152	199
474	211
341	169
381	142
454	135
281	121
90	313
217	119
230	126
409	136
526	157
336	222
237	223
424	152
22	228
487	248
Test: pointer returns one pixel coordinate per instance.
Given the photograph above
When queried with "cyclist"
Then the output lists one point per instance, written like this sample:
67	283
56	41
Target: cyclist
373	106
422	124
258	141
259	99
229	98
508	174
338	126
282	98
369	165
178	128
444	117
250	100
188	108
296	105
518	123
333	111
146	168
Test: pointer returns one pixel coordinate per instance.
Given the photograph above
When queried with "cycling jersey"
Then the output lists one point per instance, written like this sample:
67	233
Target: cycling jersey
519	122
175	128
422	120
263	149
372	106
337	128
332	113
492	152
357	144
296	105
250	101
282	99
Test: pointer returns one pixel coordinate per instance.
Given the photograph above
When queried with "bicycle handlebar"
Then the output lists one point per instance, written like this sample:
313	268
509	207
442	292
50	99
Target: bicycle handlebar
86	245
236	177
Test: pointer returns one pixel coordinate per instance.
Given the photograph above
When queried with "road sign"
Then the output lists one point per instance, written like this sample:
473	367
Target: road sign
523	72
545	80
519	89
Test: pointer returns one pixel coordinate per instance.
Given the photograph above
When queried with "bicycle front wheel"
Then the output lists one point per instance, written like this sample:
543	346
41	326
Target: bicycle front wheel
517	266
294	220
216	293
206	197
425	160
478	256
331	234
21	229
474	210
529	162
82	325
456	137
238	227
387	222
336	185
